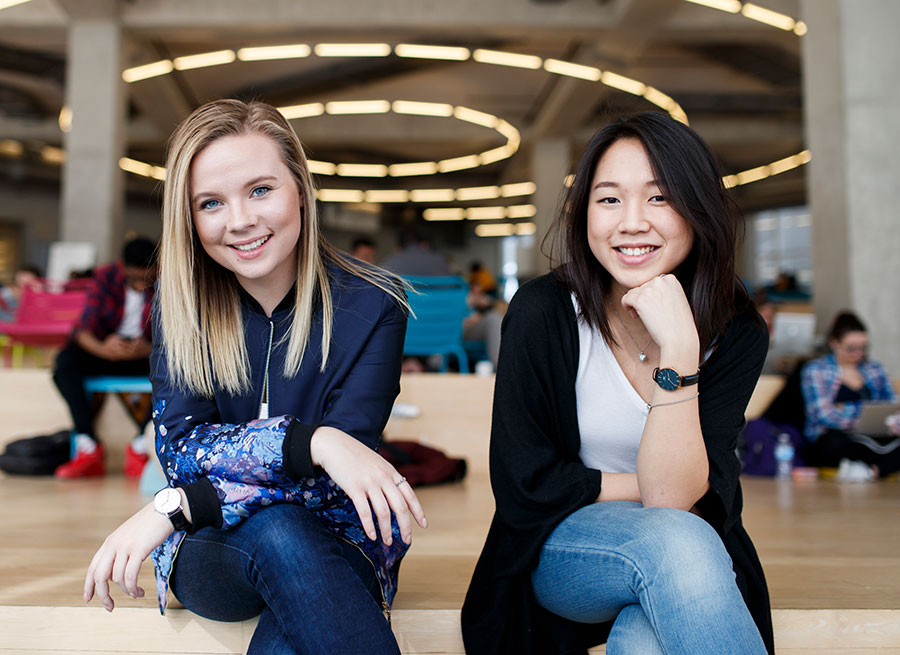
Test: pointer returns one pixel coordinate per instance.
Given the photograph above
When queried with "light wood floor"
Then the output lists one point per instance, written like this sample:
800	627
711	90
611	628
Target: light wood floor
824	545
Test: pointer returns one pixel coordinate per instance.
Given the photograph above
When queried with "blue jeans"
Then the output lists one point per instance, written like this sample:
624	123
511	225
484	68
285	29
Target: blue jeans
313	592
662	575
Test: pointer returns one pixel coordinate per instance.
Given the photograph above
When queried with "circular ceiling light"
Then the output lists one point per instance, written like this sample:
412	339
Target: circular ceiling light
413	108
411	51
448	53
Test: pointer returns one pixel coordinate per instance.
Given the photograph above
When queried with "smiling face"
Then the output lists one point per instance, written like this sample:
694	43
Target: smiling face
246	208
632	230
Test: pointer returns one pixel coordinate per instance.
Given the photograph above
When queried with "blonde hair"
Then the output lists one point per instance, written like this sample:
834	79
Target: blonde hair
199	305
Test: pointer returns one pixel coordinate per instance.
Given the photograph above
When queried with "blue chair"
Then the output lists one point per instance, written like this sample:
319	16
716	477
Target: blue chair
439	305
133	391
152	478
117	384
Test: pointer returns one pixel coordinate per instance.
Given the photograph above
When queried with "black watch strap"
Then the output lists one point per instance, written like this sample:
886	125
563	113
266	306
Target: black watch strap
688	380
179	521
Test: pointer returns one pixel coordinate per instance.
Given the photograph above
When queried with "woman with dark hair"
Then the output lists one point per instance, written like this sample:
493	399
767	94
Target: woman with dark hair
621	388
834	388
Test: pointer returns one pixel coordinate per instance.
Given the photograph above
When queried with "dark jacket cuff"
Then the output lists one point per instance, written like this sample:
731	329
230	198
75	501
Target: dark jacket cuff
295	451
204	503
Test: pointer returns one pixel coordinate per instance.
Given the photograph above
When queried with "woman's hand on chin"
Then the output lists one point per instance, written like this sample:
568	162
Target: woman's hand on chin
664	310
370	482
120	557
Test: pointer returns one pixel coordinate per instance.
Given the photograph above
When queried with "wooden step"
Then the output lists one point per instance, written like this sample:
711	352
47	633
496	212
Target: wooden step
142	631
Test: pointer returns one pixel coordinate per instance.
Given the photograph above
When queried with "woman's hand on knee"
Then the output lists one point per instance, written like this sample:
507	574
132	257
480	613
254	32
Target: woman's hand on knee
120	557
374	486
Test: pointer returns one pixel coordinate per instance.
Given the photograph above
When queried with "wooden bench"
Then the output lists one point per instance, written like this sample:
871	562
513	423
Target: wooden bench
71	630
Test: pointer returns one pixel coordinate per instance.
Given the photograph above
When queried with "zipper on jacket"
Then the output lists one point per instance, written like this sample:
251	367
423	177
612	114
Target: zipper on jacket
264	396
264	413
385	608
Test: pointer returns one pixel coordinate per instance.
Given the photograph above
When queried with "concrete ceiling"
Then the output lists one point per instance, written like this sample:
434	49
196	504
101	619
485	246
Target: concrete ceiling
738	80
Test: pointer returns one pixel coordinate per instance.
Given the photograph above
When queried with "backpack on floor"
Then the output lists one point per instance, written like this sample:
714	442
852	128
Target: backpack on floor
422	465
36	455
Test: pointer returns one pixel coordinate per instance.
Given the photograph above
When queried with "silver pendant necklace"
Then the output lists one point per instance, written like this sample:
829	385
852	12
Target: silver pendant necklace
642	355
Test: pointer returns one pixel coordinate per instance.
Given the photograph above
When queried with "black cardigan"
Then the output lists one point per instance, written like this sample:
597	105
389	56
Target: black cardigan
538	478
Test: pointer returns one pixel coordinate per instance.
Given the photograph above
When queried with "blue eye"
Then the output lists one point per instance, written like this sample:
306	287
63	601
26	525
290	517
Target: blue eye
209	204
260	191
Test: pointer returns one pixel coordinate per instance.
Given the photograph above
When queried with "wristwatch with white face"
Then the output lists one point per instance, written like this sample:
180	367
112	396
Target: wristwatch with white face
167	501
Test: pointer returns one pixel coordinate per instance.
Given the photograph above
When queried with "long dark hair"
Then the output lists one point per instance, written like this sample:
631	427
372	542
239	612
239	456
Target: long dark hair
691	180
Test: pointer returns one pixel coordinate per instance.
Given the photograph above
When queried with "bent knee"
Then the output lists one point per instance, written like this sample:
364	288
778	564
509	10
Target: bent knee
687	550
673	526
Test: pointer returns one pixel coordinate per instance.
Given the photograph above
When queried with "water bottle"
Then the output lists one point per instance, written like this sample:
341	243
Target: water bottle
784	457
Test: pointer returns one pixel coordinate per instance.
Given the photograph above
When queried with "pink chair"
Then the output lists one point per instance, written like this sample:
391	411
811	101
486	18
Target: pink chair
43	319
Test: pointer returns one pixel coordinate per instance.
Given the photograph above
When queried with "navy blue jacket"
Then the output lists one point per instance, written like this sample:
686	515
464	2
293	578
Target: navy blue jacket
231	464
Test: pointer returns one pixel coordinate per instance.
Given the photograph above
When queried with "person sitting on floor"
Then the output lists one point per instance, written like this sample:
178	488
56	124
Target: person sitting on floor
112	338
834	389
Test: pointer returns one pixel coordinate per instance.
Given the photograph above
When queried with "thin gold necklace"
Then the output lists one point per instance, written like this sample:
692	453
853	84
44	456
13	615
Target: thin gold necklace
642	355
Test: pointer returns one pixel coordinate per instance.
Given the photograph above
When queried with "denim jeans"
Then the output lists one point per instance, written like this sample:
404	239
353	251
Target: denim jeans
662	575
313	592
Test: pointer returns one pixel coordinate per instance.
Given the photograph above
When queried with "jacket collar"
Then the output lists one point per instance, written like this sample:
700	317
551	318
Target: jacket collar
286	304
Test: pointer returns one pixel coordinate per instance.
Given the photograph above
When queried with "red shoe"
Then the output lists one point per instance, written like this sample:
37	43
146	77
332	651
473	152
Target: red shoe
83	465
134	462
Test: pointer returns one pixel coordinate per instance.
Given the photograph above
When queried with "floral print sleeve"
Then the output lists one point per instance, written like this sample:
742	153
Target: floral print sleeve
244	462
250	452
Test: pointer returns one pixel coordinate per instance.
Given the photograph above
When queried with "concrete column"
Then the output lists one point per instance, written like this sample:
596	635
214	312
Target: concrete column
551	160
851	59
92	184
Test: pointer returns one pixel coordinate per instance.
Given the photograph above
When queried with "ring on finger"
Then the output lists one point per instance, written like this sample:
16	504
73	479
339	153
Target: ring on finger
400	481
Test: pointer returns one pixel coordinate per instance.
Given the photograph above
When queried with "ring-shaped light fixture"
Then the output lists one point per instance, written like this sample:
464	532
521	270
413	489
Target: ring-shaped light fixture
447	53
757	13
410	51
414	108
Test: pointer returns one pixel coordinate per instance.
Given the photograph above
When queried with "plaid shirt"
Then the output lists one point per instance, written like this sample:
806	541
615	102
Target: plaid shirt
821	379
105	306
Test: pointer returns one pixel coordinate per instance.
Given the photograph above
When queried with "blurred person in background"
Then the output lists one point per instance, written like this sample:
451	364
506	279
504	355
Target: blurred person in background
416	257
481	276
835	387
11	294
113	337
363	249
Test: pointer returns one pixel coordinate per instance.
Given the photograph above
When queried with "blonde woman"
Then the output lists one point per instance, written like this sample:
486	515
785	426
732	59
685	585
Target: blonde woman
275	365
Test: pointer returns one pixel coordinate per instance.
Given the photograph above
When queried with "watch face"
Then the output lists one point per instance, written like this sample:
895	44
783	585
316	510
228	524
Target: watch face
668	379
167	501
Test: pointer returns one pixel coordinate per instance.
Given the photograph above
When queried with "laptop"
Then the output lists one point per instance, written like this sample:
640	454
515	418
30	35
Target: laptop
872	418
